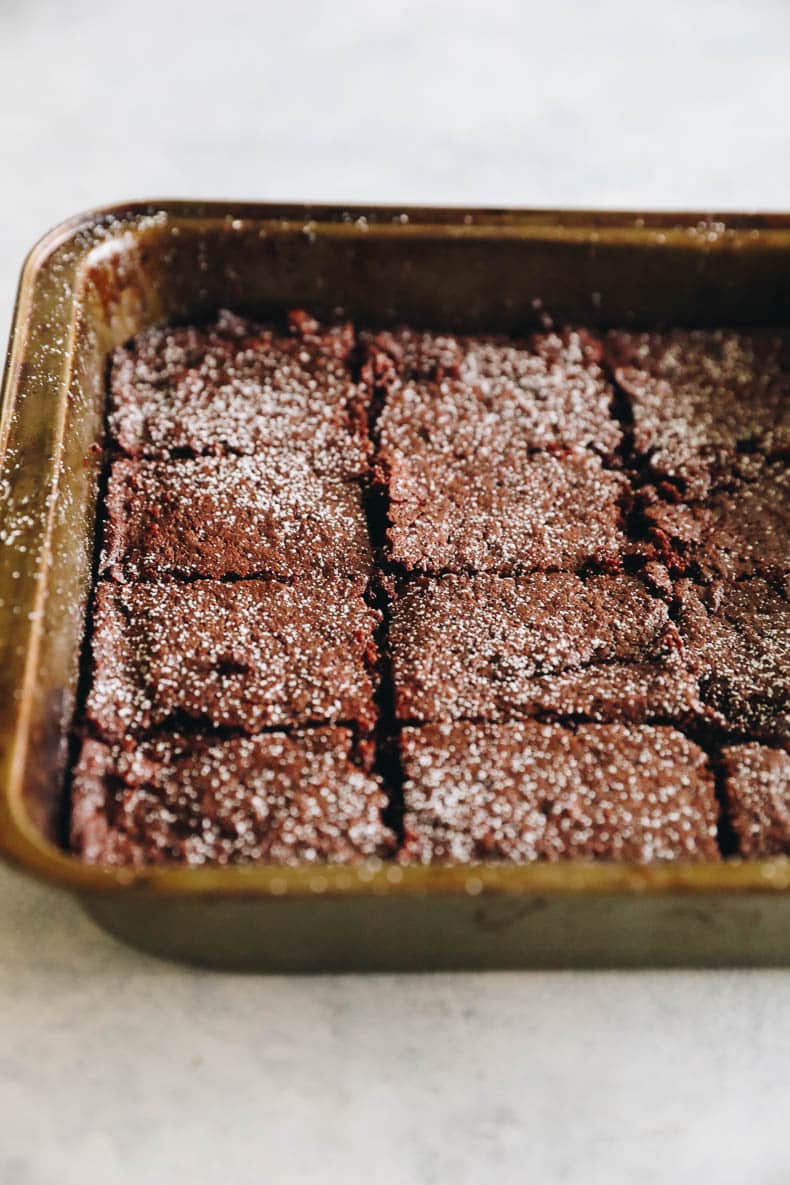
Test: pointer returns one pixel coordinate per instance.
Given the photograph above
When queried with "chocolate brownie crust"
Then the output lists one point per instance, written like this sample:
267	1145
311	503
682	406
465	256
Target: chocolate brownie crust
237	387
488	647
757	788
526	791
250	655
240	516
277	799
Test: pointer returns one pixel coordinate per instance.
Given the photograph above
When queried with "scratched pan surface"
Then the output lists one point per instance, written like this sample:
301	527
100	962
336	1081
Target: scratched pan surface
102	277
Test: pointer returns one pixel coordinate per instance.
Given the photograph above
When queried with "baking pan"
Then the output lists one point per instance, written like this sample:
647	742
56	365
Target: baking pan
100	278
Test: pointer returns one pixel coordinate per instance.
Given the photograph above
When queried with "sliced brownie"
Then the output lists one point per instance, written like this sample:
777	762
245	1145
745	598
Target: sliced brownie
482	396
699	397
490	647
512	515
737	637
236	387
757	788
525	791
463	441
276	798
231	516
741	529
249	654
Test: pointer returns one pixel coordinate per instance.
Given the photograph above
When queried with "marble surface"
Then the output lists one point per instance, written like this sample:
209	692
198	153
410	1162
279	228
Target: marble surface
115	1068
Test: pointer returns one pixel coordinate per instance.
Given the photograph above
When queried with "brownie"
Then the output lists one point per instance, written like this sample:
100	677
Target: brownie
525	791
575	571
737	637
698	397
276	798
481	396
231	516
540	512
236	387
492	648
250	654
741	529
757	789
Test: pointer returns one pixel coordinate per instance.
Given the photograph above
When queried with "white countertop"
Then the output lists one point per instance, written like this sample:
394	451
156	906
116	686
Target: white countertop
117	1069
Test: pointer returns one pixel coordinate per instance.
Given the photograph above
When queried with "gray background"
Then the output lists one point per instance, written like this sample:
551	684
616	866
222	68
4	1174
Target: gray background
115	1068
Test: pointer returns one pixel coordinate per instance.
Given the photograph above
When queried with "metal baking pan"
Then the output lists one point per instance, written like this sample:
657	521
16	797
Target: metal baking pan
98	279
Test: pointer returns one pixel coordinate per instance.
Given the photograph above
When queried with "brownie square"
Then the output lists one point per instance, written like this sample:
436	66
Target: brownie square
525	791
239	388
699	397
231	516
741	529
482	396
249	654
737	637
550	644
757	789
275	799
515	515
